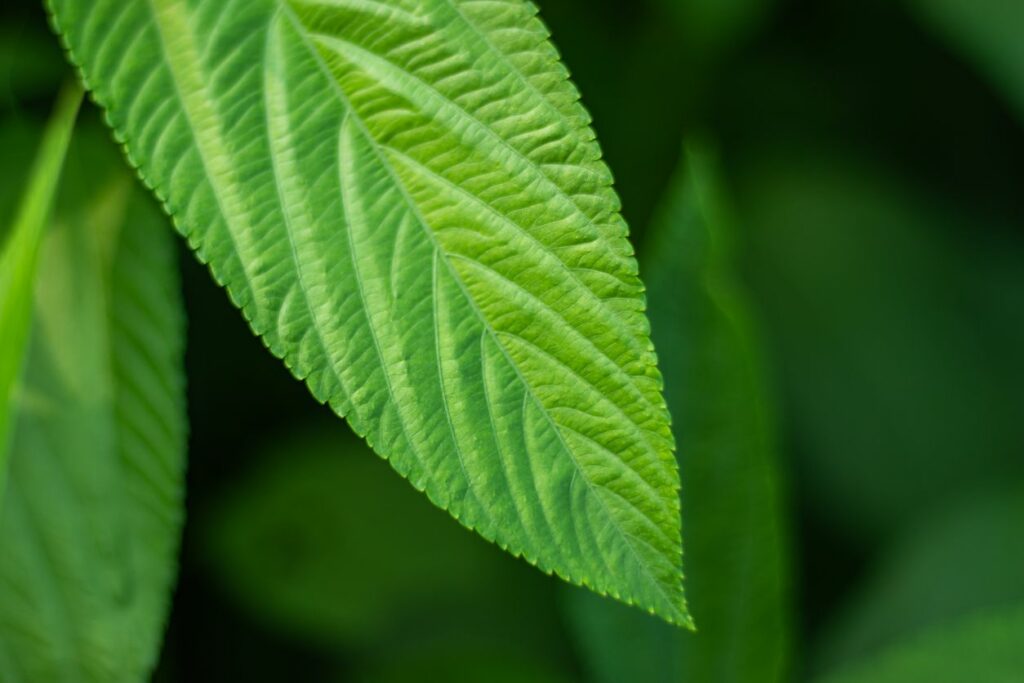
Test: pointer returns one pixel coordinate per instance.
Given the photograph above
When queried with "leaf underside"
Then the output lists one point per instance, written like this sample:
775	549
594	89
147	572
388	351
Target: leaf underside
90	524
407	202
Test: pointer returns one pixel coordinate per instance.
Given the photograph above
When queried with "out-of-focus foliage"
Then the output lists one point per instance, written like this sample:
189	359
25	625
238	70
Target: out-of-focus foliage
31	64
988	33
986	648
19	139
736	557
902	378
956	561
711	28
455	665
320	506
408	203
90	523
19	255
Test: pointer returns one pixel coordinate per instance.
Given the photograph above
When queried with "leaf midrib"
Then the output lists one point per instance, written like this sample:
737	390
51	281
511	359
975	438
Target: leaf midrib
378	152
285	10
624	334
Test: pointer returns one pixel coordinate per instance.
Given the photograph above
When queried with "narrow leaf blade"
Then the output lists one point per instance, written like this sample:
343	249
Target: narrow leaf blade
20	253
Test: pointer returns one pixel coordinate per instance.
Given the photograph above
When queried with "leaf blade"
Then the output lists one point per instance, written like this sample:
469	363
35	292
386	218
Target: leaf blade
397	151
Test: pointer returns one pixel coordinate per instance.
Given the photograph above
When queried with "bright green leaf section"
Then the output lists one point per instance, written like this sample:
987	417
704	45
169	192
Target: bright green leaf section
987	648
90	524
961	559
322	540
407	201
19	256
988	33
735	564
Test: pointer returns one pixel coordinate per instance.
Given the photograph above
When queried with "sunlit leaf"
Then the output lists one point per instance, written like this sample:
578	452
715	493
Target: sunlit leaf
90	524
406	200
735	565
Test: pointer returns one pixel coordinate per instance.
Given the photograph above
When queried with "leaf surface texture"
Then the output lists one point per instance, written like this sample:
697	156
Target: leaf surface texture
407	202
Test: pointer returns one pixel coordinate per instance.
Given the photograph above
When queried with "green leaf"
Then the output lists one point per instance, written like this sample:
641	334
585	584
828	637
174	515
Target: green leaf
20	254
321	540
988	33
90	525
961	559
984	648
735	569
407	202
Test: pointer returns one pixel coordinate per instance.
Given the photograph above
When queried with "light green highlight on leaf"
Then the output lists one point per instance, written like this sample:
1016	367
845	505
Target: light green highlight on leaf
408	204
735	567
984	648
90	525
19	256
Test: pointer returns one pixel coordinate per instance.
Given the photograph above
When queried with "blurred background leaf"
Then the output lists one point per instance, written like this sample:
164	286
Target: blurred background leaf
31	63
19	257
321	540
735	557
902	385
711	28
457	665
988	33
987	648
91	520
959	560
